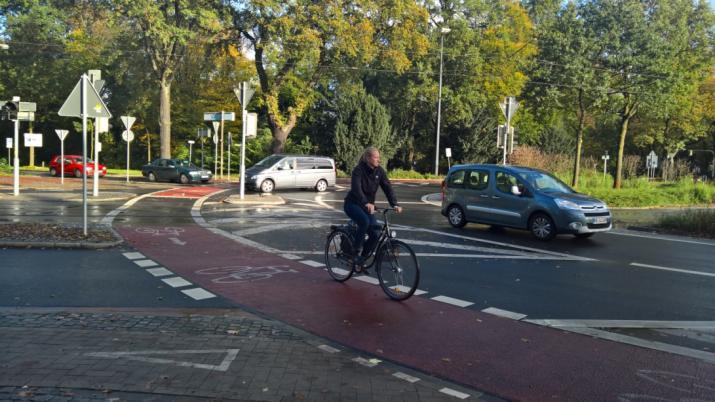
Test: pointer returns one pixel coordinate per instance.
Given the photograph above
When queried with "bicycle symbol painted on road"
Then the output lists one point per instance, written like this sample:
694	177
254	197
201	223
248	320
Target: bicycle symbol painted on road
166	231
245	273
683	383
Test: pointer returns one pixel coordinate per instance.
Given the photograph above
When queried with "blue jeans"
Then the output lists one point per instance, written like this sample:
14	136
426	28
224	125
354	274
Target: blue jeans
365	223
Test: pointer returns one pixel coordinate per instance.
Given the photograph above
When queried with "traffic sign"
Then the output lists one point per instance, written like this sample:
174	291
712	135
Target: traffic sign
8	143
251	125
509	107
244	97
62	134
73	104
128	121
204	132
216	116
128	135
651	161
215	138
448	152
33	140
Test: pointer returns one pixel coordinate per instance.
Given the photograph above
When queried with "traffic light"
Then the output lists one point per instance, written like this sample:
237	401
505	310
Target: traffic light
16	110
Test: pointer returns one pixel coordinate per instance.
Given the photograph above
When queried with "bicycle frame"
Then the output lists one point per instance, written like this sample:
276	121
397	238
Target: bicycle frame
385	234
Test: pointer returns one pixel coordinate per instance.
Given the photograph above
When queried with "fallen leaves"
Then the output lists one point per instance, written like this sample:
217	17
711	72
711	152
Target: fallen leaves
52	232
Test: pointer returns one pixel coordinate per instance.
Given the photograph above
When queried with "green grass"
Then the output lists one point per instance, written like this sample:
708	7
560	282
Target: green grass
698	223
123	172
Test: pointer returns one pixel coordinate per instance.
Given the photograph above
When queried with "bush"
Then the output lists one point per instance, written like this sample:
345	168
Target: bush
699	223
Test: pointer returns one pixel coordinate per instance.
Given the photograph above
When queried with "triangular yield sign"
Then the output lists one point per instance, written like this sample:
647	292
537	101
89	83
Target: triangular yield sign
73	104
142	356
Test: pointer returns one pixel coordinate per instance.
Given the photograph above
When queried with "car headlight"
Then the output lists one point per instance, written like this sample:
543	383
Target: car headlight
566	204
252	178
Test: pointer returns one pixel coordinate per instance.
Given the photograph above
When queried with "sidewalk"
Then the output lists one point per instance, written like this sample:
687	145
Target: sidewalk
103	354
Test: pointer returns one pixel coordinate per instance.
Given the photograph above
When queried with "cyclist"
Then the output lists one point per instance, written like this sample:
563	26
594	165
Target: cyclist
359	205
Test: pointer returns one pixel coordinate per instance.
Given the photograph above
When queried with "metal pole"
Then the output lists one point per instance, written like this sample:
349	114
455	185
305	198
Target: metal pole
243	139
128	144
16	161
228	150
439	106
221	144
84	153
202	152
62	161
95	182
506	130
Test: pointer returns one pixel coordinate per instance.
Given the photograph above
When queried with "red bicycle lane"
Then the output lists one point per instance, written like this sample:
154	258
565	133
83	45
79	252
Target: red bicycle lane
511	359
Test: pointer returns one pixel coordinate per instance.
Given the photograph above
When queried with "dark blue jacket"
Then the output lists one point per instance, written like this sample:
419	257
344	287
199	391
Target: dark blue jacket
365	182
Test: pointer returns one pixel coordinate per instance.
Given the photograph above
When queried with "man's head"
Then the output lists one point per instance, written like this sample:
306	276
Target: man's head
371	156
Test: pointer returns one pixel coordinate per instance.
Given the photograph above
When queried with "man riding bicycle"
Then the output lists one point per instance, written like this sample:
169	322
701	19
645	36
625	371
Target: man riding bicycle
359	205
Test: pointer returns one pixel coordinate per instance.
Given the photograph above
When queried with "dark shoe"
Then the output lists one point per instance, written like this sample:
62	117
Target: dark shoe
360	265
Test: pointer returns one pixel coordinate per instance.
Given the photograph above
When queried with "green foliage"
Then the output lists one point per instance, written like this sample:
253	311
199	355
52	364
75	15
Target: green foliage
360	121
697	222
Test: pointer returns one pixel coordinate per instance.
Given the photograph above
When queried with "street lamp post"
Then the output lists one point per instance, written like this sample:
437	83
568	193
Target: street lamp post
443	31
191	144
605	158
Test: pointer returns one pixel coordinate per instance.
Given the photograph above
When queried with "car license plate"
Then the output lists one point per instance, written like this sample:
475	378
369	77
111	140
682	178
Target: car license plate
600	219
205	177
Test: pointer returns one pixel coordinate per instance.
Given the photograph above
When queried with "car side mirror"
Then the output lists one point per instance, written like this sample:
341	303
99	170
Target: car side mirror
515	190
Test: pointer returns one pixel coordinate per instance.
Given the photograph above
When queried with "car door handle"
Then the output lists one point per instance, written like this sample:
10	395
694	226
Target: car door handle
496	197
483	195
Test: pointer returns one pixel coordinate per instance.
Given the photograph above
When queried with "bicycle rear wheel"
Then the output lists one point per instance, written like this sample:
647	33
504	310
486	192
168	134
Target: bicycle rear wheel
398	270
339	255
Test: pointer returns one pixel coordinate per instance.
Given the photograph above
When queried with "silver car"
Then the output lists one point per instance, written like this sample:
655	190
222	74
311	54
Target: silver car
520	197
292	171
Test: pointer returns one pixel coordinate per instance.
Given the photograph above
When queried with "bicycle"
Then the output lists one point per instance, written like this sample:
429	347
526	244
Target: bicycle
395	262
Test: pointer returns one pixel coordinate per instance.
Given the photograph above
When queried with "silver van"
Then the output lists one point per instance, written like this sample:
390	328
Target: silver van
292	171
520	197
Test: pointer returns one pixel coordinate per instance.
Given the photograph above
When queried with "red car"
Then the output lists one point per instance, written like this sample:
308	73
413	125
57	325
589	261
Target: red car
73	166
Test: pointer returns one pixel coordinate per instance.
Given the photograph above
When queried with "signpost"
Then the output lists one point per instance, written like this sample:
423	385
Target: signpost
605	158
448	154
216	126
201	134
62	134
17	111
76	105
8	145
651	163
508	107
218	118
229	141
244	92
191	143
128	136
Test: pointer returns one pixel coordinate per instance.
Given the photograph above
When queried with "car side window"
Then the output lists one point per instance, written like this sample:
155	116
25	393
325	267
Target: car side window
324	164
478	180
504	181
456	179
163	163
305	163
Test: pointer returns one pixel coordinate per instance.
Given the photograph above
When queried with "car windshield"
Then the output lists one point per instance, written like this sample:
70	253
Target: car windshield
184	162
79	160
269	161
545	182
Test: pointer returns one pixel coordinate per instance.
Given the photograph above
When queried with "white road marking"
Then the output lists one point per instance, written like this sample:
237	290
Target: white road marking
367	363
462	247
367	279
661	237
690	325
177	241
134	256
198	294
456	394
406	377
452	301
145	263
684	271
290	256
504	313
109	218
313	263
159	271
405	289
141	356
329	349
444	255
176	282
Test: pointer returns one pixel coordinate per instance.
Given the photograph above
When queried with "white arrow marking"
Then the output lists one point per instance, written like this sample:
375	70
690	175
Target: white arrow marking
177	241
230	357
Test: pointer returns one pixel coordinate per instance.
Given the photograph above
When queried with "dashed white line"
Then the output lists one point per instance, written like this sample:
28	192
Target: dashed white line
454	393
329	349
367	363
367	279
176	282
290	256
134	256
198	293
159	271
145	263
406	377
503	313
312	263
684	271
452	301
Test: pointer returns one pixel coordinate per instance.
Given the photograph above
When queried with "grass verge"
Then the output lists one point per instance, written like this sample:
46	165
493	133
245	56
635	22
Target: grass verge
700	223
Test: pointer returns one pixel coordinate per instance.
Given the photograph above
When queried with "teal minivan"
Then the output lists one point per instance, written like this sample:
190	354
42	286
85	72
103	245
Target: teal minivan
520	197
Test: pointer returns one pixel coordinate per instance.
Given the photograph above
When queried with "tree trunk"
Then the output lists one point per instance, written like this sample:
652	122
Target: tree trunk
165	118
579	141
280	133
621	144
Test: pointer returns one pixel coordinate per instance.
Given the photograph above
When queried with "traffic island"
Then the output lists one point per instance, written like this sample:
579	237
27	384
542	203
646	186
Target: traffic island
44	235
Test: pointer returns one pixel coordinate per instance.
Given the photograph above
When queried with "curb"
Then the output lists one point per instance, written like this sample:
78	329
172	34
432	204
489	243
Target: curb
87	245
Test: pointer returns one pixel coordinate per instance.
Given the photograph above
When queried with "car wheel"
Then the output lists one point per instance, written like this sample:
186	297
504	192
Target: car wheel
77	173
455	215
53	172
267	186
151	176
583	235
542	227
184	179
321	186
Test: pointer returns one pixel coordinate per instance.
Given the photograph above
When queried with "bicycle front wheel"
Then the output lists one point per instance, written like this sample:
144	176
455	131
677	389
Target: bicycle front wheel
398	270
339	255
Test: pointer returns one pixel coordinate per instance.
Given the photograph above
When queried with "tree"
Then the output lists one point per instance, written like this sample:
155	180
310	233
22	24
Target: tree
643	44
167	28
300	43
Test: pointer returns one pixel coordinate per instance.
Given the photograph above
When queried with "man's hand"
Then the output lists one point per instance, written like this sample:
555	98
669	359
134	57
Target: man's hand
370	208
398	209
